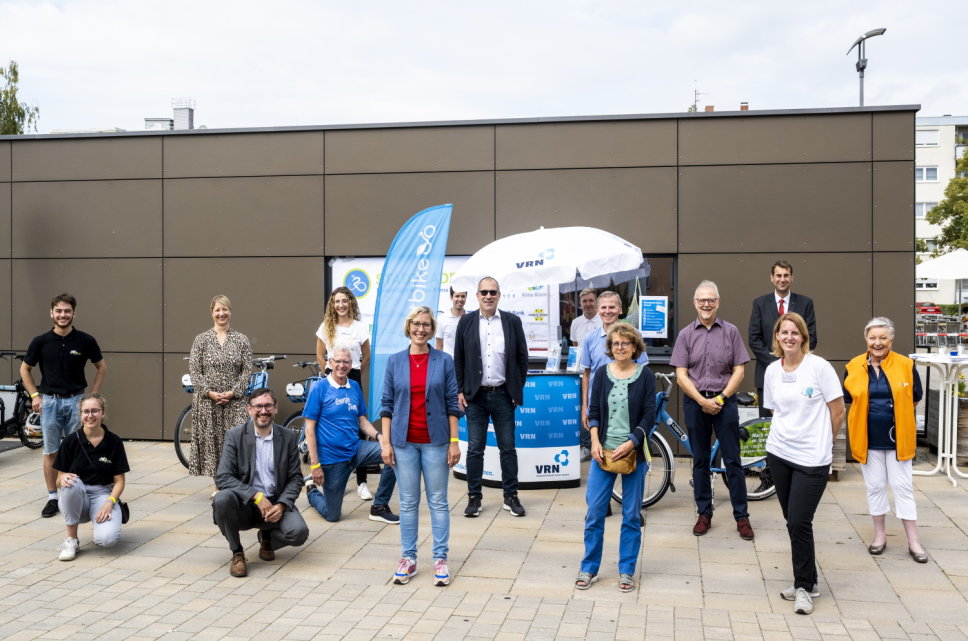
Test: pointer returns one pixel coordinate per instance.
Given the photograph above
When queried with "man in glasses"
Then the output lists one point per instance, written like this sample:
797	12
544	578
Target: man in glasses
335	415
258	480
491	360
709	356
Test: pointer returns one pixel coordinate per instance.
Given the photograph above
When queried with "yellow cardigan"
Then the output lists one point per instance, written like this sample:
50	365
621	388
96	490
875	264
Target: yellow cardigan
900	374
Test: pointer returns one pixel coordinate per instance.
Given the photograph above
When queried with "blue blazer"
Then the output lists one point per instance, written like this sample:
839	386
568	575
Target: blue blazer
441	396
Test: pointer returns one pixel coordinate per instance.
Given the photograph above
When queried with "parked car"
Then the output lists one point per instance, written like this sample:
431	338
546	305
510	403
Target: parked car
926	308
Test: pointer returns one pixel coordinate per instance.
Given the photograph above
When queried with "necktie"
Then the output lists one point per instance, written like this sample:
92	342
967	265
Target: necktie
780	310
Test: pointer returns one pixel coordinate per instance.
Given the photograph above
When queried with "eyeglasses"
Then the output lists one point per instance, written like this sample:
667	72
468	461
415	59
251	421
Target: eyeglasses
621	344
92	412
488	292
263	407
419	325
707	301
341	362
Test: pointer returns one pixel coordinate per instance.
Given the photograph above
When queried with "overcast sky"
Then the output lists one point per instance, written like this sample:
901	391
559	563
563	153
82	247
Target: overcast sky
111	63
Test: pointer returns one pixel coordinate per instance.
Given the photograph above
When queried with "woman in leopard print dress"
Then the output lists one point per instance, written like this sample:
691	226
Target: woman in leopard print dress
220	364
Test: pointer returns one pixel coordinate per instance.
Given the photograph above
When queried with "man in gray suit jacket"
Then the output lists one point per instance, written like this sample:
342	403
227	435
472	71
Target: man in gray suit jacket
766	311
258	480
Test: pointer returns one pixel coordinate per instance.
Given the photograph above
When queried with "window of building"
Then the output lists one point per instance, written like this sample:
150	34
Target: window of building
926	174
926	138
921	209
926	284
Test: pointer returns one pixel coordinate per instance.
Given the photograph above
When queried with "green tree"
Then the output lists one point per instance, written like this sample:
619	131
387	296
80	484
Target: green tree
15	116
952	212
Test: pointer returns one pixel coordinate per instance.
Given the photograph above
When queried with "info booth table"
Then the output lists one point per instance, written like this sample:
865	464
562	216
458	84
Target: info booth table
546	435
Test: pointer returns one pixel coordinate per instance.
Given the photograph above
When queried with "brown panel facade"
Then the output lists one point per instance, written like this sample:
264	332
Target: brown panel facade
364	212
633	143
4	162
87	159
118	300
775	139
829	279
6	246
894	297
265	216
733	208
893	206
365	151
87	219
243	154
276	302
637	204
133	376
894	135
5	342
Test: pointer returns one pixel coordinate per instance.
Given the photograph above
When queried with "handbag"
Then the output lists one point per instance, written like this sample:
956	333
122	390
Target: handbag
621	466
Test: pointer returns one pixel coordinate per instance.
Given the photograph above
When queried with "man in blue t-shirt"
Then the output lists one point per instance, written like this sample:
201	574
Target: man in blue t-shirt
335	413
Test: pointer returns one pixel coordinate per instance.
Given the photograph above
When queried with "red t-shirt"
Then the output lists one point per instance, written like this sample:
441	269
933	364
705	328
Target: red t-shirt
417	431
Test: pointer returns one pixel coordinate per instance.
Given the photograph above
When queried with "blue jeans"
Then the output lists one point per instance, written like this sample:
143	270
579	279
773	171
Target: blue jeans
726	426
414	460
494	406
329	502
59	418
597	495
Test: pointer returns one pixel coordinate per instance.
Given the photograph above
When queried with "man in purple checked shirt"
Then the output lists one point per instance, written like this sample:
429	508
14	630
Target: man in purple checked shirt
709	356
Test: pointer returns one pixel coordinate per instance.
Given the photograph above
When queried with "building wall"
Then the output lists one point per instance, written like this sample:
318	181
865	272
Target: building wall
145	228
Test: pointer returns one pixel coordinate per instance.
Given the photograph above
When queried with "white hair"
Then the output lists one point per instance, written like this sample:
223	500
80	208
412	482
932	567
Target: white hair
879	321
706	283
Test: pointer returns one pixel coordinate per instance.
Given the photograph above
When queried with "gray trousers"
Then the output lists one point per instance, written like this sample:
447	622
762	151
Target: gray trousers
80	503
232	515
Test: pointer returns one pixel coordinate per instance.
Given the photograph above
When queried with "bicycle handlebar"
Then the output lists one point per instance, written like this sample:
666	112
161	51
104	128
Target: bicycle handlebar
306	364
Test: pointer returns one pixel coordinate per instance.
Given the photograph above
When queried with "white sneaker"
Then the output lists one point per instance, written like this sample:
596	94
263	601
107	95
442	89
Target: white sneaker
364	492
790	594
803	604
68	549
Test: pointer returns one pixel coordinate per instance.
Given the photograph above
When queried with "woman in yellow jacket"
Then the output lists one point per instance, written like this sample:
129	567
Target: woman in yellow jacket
882	388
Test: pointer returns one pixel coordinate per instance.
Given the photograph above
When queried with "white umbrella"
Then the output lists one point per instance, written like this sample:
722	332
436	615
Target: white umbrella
553	256
951	266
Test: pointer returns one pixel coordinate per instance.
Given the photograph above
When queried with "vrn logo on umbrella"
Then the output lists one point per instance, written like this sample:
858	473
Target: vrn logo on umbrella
548	254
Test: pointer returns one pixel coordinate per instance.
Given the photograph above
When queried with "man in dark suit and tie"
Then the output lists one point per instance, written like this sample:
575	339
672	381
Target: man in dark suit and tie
491	360
766	311
258	480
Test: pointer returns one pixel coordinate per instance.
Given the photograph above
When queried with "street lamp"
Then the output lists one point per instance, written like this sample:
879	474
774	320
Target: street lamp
861	60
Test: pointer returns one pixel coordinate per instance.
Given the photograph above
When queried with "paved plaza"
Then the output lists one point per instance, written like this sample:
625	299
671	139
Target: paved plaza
513	577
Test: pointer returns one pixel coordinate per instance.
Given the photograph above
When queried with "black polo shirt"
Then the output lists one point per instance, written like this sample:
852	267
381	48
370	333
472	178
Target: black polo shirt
94	465
62	360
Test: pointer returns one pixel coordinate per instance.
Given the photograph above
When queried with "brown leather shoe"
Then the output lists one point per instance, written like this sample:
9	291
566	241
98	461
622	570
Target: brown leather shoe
702	525
745	529
265	549
238	567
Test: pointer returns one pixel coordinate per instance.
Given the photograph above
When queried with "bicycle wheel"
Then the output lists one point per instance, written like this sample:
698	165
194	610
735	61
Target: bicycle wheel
759	481
296	423
659	477
183	435
30	436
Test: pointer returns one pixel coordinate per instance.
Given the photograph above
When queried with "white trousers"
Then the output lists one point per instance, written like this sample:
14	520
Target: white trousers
80	503
882	468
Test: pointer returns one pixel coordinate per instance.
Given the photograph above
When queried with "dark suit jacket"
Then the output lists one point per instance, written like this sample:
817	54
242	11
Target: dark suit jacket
764	317
236	467
467	355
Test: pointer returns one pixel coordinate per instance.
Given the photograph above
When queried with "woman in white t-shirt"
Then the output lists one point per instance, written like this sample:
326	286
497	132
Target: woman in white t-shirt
808	410
342	326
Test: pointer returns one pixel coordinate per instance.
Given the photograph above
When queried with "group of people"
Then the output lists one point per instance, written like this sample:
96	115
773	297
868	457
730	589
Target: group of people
477	367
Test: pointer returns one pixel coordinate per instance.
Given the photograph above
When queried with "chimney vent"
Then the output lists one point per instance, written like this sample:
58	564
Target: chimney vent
744	106
710	108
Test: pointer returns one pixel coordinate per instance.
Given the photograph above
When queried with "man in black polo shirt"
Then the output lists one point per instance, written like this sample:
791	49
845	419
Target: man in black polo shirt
62	354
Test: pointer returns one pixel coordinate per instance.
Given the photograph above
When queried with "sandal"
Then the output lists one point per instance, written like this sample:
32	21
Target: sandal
585	580
626	583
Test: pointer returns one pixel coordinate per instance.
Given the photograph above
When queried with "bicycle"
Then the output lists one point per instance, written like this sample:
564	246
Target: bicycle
20	423
183	424
659	479
298	392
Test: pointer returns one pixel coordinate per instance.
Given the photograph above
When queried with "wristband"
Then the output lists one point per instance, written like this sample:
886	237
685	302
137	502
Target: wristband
720	399
35	394
113	500
454	440
313	467
258	497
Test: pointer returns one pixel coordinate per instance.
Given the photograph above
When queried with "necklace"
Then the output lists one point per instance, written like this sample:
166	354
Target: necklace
417	360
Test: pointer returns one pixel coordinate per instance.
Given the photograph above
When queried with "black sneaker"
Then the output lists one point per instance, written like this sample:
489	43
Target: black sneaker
473	508
50	509
382	513
513	505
